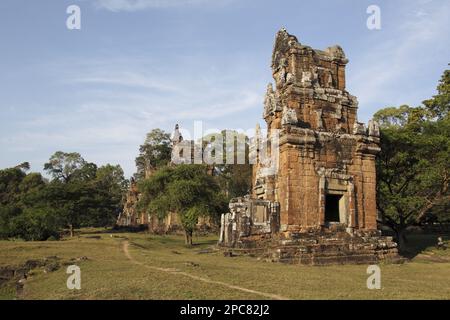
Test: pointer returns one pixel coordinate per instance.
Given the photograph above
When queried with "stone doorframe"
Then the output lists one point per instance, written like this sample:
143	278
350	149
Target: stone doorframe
335	183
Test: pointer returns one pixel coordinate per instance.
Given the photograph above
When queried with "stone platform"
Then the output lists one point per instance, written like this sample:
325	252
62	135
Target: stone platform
319	248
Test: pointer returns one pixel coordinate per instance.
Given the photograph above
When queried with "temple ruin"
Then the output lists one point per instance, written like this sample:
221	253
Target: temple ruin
132	217
319	204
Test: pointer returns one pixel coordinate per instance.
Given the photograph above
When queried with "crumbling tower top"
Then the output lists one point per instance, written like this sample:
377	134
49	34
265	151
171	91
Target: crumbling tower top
310	85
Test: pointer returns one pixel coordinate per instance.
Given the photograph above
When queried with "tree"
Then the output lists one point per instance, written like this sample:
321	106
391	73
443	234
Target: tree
80	194
68	170
10	180
37	223
414	163
25	166
112	178
24	212
84	194
234	178
91	198
439	105
108	190
154	153
187	190
62	166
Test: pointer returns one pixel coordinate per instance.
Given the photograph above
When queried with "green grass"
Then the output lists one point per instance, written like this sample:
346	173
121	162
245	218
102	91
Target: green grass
109	274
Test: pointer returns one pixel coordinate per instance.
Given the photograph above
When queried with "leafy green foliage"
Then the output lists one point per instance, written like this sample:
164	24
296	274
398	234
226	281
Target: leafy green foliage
154	153
80	194
414	164
187	190
439	105
22	212
234	179
62	166
91	196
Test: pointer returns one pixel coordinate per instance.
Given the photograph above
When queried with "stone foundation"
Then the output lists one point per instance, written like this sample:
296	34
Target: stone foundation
252	228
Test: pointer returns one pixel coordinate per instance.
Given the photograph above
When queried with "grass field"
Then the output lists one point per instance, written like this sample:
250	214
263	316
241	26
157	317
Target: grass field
142	266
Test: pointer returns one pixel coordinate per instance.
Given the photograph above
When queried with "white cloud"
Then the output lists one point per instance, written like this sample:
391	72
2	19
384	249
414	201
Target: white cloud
136	5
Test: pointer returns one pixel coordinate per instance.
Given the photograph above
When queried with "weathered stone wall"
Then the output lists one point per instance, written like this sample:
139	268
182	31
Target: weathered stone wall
305	156
248	221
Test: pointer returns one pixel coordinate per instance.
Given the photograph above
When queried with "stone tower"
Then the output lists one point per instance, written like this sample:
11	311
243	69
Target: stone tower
324	184
326	171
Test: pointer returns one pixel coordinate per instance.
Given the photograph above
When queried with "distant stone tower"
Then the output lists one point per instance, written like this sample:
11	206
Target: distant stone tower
176	137
325	178
130	215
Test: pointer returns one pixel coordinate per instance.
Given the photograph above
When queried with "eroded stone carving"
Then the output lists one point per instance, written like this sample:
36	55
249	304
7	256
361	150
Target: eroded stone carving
289	116
374	128
359	128
306	78
319	119
290	78
271	102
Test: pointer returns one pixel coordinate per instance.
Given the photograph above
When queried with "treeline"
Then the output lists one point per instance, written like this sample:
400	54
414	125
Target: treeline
79	194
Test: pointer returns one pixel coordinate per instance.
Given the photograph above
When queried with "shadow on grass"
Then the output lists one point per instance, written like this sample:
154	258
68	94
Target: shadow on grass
109	230
418	243
180	242
172	241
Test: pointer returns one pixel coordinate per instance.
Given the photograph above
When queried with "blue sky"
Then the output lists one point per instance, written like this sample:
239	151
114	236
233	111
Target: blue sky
142	64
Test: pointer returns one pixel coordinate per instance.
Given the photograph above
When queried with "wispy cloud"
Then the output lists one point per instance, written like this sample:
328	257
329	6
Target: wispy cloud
118	103
135	5
127	79
177	95
412	43
99	91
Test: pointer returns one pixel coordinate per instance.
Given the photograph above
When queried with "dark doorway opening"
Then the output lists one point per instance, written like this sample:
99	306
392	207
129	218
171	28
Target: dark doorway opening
332	207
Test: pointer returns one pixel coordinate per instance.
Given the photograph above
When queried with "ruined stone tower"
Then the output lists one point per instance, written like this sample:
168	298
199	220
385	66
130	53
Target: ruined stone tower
131	216
326	168
324	184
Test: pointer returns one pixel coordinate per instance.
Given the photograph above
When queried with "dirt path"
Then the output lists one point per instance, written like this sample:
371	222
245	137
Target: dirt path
126	245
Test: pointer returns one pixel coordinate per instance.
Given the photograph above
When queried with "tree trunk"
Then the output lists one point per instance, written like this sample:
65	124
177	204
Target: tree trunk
401	239
71	230
188	237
